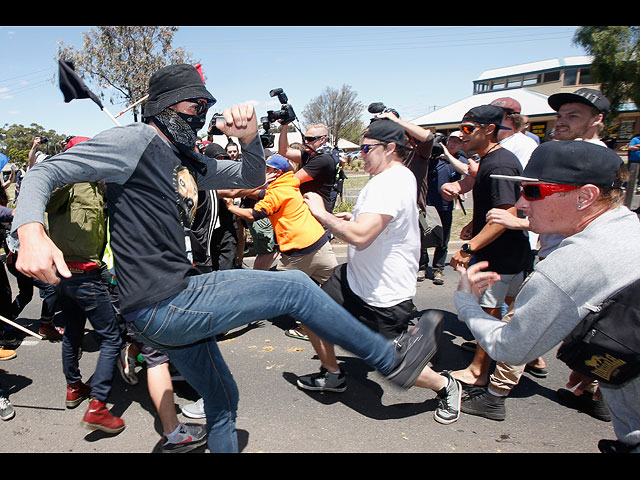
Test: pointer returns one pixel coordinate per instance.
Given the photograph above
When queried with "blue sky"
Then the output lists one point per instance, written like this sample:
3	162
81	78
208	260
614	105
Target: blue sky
413	69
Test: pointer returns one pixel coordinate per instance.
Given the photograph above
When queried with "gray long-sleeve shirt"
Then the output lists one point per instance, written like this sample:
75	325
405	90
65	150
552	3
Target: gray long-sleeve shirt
151	201
583	271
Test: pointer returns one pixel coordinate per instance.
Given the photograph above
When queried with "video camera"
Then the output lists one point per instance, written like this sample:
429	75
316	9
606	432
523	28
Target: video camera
438	141
213	130
285	114
267	138
379	107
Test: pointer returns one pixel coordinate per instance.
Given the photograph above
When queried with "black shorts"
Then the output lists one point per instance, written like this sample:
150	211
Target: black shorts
388	321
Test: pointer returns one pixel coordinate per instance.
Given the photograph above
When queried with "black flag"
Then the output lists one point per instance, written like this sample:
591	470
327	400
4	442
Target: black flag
72	85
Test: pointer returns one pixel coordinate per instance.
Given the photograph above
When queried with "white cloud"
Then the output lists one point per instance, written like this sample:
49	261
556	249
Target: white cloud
4	93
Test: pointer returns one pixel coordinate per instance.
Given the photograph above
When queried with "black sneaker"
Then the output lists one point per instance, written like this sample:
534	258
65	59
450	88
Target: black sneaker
414	348
585	403
448	409
323	381
486	405
614	446
190	437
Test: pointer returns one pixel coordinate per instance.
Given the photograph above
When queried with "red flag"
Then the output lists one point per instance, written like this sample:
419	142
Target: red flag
198	67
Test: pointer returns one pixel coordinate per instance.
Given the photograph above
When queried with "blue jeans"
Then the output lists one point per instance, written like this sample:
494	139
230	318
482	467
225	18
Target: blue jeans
185	325
82	297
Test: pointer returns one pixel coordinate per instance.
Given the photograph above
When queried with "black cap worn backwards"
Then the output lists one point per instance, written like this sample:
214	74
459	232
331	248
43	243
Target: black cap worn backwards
486	114
570	162
587	96
385	130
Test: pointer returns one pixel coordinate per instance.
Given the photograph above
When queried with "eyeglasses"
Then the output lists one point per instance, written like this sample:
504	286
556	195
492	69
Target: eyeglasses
368	146
538	191
202	106
468	128
313	139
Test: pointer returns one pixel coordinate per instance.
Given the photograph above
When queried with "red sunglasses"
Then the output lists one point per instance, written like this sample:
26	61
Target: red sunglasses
538	191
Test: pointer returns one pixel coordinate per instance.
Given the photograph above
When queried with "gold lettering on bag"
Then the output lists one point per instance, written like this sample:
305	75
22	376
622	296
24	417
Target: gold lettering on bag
604	366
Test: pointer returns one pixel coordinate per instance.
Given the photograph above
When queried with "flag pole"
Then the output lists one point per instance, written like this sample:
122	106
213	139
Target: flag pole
110	116
20	327
133	105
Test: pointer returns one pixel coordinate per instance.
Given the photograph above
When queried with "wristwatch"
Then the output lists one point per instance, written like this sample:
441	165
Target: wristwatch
466	248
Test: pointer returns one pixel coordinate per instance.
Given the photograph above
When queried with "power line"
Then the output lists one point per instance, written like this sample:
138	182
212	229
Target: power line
24	75
383	40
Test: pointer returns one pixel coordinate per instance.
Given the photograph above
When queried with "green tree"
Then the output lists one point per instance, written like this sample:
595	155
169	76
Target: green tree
616	61
339	110
120	60
16	141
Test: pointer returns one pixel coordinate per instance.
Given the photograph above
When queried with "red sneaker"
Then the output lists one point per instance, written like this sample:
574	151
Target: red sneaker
97	417
76	393
49	332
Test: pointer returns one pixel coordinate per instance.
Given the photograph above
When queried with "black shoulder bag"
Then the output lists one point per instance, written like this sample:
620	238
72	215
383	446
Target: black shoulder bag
605	345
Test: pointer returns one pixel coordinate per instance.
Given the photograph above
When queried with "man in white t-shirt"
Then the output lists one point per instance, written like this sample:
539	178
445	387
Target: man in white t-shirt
377	284
513	139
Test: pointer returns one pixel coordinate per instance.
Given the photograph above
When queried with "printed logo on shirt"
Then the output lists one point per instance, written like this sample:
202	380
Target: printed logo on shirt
186	195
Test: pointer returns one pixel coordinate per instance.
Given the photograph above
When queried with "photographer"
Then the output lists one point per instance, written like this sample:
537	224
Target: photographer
444	167
421	142
36	156
317	166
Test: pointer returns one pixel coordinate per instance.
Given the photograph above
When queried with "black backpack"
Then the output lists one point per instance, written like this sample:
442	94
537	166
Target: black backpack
605	345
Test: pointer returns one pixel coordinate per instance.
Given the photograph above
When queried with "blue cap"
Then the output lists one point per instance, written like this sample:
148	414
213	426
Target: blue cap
278	162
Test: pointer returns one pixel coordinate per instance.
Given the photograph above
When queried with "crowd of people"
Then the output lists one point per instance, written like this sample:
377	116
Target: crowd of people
145	239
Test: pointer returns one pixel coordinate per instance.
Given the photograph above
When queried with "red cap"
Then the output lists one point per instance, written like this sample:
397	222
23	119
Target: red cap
508	104
75	141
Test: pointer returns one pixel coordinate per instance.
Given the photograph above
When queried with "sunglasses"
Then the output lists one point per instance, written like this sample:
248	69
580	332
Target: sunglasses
202	106
468	128
538	191
313	139
368	146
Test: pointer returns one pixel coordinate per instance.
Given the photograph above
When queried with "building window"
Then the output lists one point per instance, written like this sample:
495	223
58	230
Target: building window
570	77
551	76
497	84
531	80
585	76
514	82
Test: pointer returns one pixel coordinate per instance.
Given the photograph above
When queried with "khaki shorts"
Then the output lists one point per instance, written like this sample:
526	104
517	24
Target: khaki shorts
508	286
319	265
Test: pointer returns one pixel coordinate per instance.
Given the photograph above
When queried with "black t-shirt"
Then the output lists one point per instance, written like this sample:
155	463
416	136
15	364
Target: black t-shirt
322	168
509	253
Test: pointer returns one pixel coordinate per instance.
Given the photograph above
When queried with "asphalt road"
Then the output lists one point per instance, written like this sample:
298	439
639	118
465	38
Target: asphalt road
274	416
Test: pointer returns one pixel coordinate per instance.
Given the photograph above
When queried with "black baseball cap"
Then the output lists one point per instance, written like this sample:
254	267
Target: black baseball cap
173	84
486	114
588	96
385	130
570	162
213	150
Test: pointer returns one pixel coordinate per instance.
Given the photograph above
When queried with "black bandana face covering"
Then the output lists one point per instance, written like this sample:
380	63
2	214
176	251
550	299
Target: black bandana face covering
181	130
196	122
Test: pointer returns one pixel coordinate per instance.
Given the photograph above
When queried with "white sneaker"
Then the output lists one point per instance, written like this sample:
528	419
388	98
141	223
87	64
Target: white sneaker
126	366
194	410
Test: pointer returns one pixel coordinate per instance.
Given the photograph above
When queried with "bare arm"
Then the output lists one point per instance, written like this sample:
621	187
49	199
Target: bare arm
359	233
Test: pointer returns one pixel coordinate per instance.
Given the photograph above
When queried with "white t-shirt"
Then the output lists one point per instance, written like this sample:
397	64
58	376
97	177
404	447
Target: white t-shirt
384	273
521	146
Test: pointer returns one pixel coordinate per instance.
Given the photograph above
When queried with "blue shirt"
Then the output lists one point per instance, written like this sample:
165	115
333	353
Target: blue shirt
634	156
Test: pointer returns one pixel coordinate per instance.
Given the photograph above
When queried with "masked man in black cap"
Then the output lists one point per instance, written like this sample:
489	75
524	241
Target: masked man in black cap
153	174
